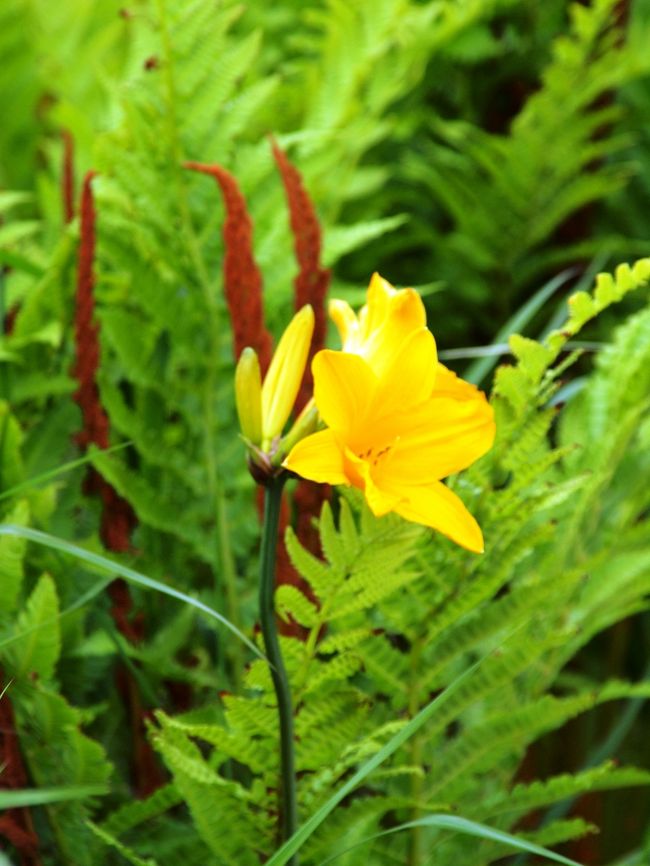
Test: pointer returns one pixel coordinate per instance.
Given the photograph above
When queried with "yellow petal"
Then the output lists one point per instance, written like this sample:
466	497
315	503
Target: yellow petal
373	314
343	388
402	315
344	317
410	376
359	473
319	458
383	324
439	438
379	501
448	383
436	506
285	373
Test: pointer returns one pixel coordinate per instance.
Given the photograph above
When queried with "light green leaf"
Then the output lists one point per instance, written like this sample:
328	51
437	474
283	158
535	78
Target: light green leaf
18	231
341	240
37	650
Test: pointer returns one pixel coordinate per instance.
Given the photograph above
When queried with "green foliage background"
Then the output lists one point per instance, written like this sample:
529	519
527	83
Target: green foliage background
494	153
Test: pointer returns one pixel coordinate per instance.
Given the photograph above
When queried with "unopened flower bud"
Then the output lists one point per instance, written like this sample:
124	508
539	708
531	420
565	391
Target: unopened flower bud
284	376
248	395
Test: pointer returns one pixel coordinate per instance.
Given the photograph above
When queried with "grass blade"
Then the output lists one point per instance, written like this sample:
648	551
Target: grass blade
44	796
83	599
495	350
53	473
469	828
477	371
128	574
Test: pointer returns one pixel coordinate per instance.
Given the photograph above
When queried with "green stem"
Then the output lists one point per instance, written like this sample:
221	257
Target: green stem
229	578
289	811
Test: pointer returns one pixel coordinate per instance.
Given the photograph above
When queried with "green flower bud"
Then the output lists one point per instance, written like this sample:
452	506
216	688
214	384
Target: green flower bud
248	395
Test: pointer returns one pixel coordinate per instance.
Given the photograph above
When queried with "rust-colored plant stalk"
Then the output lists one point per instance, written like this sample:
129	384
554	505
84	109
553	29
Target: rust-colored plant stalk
312	281
242	277
94	428
118	518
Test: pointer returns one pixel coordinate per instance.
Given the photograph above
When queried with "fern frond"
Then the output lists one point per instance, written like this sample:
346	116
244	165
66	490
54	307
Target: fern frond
110	840
524	798
238	836
38	637
137	812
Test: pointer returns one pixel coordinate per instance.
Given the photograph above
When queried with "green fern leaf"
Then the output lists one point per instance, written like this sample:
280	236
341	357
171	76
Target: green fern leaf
127	853
37	649
137	812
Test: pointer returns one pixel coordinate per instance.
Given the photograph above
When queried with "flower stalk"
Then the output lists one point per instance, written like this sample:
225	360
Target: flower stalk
288	807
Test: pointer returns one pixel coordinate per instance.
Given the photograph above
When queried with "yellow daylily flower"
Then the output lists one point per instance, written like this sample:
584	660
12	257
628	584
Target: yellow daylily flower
397	447
264	408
